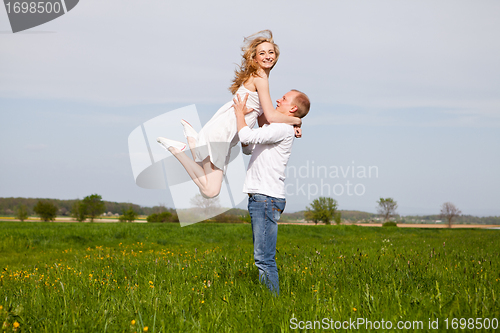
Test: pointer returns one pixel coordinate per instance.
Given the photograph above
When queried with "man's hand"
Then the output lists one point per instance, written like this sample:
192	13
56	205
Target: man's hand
240	105
240	109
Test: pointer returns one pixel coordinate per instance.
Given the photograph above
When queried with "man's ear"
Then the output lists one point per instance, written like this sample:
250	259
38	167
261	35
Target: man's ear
293	109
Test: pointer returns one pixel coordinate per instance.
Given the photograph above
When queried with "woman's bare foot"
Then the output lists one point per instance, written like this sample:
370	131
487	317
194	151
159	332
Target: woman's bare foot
188	130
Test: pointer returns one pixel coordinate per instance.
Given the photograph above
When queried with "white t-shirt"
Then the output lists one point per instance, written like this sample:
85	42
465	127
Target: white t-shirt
270	146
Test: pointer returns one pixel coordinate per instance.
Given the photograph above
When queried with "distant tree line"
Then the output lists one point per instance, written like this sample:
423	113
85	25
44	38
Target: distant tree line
462	219
347	215
21	208
8	206
234	215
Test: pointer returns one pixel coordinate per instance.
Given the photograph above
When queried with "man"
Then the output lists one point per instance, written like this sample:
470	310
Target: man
270	146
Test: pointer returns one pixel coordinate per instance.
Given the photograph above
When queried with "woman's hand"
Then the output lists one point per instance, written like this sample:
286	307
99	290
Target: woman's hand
296	127
298	131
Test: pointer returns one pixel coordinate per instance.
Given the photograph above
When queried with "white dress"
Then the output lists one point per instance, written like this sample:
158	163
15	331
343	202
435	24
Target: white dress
220	133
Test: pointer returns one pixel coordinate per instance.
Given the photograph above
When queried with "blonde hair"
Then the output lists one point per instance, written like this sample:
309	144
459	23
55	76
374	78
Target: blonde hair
248	67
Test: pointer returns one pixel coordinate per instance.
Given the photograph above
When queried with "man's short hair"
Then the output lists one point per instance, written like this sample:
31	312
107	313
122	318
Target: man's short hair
302	102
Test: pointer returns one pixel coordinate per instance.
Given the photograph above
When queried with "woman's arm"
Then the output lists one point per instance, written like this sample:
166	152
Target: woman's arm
271	114
261	120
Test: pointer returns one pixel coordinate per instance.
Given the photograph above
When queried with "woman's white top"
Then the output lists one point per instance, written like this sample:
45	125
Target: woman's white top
220	133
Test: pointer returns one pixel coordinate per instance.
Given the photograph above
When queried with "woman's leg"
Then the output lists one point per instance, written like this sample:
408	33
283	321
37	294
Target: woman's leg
192	145
207	177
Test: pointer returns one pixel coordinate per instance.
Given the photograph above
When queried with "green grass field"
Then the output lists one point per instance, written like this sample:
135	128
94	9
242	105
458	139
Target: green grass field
71	277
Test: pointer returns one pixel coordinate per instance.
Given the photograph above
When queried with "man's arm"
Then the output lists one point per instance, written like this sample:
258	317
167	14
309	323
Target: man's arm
270	134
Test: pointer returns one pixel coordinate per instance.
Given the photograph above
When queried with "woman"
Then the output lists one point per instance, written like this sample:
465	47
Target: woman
211	146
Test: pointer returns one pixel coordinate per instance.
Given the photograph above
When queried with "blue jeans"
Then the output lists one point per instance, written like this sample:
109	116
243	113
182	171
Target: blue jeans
265	211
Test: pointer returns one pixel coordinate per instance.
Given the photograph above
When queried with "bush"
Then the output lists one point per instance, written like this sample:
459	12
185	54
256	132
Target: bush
245	218
390	224
337	217
22	213
224	218
79	211
128	216
162	217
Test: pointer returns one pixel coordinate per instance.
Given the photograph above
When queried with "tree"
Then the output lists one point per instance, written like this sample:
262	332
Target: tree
449	212
309	216
208	206
22	213
94	206
128	216
322	209
79	211
387	208
46	210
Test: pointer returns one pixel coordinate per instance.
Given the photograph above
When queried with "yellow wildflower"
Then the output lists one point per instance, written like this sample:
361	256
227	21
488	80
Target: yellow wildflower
133	322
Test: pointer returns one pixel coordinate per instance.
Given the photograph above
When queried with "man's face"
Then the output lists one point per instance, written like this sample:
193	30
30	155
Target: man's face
284	104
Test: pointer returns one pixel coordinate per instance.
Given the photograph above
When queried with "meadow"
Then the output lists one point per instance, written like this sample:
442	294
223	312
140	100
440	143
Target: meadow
118	277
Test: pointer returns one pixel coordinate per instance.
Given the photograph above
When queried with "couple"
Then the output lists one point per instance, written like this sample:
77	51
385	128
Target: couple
271	145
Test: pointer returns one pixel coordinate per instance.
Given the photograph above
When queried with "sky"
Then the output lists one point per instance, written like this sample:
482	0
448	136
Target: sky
407	90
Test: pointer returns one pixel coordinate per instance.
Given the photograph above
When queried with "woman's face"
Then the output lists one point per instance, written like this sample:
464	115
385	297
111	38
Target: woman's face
265	56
